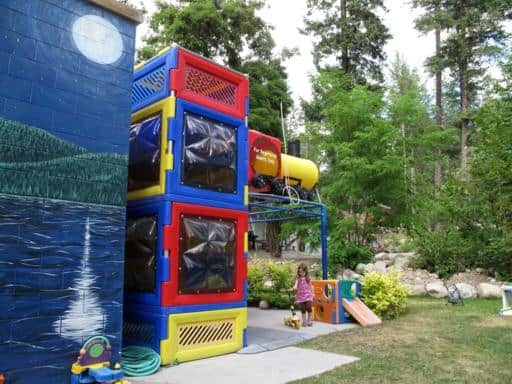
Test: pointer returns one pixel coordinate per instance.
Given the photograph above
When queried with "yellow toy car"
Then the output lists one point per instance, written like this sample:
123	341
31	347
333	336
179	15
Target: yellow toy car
293	320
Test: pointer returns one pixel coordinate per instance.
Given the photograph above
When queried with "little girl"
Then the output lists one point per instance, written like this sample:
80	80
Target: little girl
304	294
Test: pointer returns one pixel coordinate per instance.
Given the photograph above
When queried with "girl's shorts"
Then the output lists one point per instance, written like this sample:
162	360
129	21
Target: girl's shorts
306	306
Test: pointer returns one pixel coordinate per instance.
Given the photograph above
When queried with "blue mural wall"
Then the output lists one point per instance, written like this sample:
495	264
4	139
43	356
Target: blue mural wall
65	94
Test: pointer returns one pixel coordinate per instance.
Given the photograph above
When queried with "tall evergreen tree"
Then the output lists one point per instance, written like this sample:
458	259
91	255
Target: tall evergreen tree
474	33
361	162
228	31
409	113
351	33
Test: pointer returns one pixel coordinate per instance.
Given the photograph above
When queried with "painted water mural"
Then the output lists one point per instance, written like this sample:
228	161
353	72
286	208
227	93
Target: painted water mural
65	100
61	266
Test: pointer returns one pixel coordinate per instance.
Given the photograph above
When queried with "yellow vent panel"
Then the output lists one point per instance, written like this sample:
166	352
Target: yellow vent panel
198	335
210	333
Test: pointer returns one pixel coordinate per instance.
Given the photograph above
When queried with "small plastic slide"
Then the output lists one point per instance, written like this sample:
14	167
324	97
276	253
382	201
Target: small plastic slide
361	312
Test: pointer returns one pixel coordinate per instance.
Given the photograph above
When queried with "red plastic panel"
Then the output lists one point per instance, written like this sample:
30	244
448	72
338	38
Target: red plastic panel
203	82
172	242
264	158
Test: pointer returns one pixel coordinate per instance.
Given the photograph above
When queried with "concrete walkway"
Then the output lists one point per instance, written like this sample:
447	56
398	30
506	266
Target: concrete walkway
266	331
269	357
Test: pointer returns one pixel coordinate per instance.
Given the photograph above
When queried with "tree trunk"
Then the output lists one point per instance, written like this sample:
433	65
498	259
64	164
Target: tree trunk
439	108
273	243
463	73
345	61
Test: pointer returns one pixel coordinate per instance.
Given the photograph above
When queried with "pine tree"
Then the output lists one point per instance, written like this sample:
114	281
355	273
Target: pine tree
474	33
351	33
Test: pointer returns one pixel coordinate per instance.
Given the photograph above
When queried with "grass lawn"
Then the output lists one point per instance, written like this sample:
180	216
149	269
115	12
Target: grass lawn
431	343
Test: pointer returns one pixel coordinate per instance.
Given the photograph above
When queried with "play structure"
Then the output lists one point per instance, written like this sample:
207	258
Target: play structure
507	301
271	171
93	364
338	302
187	218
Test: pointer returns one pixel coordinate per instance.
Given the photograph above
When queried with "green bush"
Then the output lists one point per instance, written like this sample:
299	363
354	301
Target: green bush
383	294
280	276
255	278
347	255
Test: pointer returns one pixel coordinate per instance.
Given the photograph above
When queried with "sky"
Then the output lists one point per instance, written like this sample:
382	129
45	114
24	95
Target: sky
286	16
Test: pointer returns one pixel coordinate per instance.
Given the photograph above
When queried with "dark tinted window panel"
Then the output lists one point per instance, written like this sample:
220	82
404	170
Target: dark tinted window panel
209	154
144	161
207	255
140	254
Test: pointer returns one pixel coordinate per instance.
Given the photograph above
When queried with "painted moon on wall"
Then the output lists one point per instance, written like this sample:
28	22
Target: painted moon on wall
97	39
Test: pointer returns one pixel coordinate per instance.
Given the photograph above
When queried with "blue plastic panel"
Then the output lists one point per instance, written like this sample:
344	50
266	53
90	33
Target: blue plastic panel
151	82
144	160
170	197
175	178
344	317
162	210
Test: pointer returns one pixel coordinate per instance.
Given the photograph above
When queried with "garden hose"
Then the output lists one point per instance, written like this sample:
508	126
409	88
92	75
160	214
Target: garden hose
139	361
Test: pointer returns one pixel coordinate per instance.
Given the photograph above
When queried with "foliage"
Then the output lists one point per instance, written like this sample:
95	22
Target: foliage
351	32
474	36
268	90
255	278
347	255
282	276
229	31
383	294
279	277
362	167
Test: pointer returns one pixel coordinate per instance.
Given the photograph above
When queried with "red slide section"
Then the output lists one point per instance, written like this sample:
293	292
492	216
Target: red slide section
361	313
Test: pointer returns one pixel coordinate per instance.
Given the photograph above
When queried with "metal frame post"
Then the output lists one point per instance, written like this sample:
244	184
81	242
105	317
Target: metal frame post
324	242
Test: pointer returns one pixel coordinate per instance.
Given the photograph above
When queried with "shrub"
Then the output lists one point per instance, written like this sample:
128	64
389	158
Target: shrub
281	276
383	294
255	278
347	255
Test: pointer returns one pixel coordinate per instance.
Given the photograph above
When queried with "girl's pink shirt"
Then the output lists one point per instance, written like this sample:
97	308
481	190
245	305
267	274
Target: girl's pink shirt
304	292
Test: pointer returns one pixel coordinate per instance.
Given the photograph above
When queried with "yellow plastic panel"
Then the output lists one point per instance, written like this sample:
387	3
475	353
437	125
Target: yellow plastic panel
198	335
167	107
296	169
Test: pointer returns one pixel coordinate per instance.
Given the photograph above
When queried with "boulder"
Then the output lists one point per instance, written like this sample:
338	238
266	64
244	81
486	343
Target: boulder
264	304
416	289
349	274
436	289
481	270
488	290
401	260
365	268
381	256
387	258
360	268
467	291
380	266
